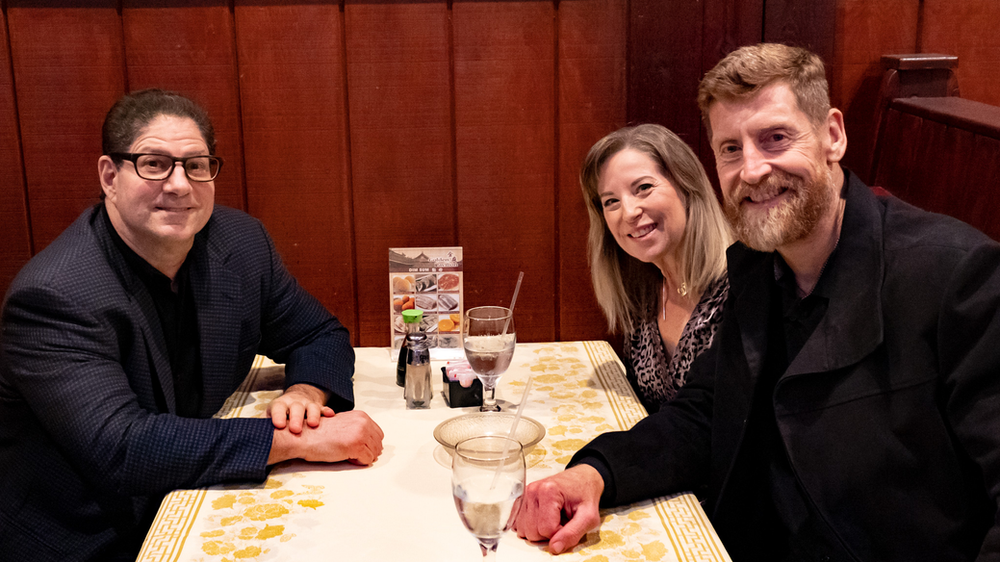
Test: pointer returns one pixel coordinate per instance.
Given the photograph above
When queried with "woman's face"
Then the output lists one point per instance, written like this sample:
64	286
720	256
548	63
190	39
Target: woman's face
643	210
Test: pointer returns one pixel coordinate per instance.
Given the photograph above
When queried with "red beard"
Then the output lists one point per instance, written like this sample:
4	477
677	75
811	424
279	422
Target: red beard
794	218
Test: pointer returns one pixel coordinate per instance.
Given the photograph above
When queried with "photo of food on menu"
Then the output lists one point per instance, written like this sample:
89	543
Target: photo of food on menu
429	280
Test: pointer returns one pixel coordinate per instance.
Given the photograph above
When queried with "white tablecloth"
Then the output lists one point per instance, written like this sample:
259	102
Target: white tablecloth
401	507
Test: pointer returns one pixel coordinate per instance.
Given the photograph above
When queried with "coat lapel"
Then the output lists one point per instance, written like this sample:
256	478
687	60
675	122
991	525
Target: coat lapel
142	307
217	292
750	272
852	326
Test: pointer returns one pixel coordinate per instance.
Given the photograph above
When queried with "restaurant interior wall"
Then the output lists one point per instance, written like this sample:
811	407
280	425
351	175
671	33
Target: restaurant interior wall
351	127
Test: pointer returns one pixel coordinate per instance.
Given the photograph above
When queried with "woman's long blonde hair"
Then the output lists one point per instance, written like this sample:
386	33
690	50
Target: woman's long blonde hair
626	287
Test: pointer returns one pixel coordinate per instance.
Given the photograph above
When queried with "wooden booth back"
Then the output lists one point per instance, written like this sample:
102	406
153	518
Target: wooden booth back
935	149
347	127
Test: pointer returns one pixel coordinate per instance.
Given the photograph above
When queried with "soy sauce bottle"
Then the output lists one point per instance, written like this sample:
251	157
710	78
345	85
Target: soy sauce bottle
417	386
411	321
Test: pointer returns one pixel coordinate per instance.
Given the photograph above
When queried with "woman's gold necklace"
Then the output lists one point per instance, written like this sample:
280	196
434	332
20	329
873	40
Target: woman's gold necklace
682	291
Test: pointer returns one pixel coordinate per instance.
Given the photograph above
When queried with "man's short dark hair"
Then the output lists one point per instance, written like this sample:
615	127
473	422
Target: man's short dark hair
133	112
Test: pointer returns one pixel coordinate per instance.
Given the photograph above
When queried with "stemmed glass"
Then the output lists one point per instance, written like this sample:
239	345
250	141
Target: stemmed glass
488	336
487	481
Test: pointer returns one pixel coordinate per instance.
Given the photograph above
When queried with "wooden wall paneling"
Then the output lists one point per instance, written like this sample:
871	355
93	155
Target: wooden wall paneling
956	184
504	55
68	70
188	46
896	161
399	80
726	26
294	122
967	29
16	250
866	31
987	178
663	68
924	157
812	25
591	105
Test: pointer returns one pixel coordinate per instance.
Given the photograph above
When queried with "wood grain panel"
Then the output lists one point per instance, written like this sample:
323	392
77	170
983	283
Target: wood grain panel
804	24
983	213
866	31
16	250
727	25
664	69
67	72
399	81
967	29
591	105
927	189
188	47
896	165
505	129
954	182
291	87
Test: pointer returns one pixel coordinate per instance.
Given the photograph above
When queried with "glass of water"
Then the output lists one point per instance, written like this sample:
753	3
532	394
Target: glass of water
488	336
487	482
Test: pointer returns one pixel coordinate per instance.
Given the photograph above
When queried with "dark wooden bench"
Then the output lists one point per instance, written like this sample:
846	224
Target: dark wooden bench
935	149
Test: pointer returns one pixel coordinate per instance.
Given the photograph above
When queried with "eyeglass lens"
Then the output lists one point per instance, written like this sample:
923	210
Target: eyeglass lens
155	167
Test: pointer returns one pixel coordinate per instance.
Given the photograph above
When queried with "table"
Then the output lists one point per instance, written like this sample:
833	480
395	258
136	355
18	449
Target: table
401	508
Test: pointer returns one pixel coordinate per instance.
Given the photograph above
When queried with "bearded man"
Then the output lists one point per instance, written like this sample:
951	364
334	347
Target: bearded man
849	408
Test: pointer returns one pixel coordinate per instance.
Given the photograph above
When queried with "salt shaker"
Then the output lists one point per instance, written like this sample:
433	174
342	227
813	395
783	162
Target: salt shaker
417	388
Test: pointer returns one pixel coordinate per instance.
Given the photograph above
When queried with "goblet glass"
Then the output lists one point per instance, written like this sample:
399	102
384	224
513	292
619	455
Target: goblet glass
487	481
488	336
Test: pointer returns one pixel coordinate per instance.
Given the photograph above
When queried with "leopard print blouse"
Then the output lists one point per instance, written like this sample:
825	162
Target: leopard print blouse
656	376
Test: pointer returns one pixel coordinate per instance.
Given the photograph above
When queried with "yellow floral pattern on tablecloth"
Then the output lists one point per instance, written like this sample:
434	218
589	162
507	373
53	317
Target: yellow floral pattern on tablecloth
580	412
242	524
236	522
584	387
585	393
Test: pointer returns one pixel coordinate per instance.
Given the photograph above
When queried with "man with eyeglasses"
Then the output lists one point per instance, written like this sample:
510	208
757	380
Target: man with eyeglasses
123	337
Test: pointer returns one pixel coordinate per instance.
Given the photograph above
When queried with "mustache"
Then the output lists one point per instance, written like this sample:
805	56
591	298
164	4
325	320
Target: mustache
771	182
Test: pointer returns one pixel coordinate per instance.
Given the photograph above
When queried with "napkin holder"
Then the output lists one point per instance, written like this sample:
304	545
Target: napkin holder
458	396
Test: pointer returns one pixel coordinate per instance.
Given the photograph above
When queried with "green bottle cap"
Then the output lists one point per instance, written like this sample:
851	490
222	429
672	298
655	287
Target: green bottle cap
412	316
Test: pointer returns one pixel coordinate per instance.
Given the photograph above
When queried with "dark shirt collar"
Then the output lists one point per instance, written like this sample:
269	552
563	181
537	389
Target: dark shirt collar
149	275
175	307
785	277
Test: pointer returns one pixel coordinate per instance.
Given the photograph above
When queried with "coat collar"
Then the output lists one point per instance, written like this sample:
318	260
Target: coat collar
216	290
142	308
852	326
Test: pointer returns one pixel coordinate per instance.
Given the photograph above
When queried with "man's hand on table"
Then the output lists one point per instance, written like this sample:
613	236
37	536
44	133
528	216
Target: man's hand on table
300	402
561	508
345	436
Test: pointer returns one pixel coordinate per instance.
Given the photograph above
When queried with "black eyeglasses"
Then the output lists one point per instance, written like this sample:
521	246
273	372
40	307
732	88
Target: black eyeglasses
160	166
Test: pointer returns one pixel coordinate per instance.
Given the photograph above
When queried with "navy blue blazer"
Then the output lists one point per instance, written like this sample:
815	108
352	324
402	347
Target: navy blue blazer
89	442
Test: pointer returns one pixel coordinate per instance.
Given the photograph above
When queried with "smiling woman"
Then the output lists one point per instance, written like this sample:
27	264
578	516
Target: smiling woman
657	248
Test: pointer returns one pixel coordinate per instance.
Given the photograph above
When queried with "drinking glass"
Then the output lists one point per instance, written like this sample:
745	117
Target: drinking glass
488	336
487	481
